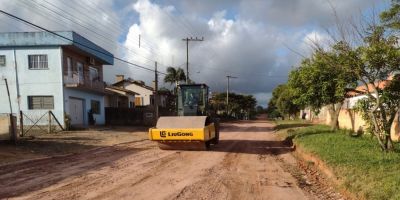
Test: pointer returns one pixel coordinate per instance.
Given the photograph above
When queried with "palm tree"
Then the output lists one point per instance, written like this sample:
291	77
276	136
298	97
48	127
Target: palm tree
174	76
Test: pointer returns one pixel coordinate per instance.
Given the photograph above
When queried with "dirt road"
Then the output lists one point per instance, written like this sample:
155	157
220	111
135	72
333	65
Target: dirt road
243	166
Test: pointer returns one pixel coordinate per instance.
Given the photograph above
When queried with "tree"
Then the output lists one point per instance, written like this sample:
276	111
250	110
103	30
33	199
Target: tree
375	64
391	17
174	76
239	105
321	80
281	103
272	111
260	110
285	103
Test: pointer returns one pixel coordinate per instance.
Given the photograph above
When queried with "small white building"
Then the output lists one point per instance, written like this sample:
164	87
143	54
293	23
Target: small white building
144	94
49	72
118	97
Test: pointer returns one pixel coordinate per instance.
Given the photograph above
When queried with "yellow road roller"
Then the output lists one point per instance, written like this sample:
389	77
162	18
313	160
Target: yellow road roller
193	128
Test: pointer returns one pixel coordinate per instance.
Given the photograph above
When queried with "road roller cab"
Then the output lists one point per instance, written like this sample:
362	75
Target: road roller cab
193	128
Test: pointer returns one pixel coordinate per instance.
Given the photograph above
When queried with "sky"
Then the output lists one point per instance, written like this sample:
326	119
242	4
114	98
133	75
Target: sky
257	41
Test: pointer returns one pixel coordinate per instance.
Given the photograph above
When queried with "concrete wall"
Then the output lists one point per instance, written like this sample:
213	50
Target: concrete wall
87	97
4	127
43	82
351	120
395	130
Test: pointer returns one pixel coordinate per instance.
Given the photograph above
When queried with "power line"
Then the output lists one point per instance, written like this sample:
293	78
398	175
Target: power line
81	44
83	10
151	44
79	22
147	45
189	28
187	54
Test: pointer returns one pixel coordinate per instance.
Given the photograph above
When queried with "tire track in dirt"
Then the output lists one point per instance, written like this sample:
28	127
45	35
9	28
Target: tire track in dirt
245	175
17	179
243	166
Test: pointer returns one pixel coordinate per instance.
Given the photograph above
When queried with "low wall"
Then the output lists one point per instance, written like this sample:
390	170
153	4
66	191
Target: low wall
348	119
395	130
5	127
351	120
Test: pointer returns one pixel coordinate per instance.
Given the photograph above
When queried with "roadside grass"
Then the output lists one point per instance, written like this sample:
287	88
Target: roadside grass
363	169
285	124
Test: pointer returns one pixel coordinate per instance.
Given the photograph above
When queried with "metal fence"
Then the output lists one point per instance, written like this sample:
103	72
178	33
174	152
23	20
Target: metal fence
38	122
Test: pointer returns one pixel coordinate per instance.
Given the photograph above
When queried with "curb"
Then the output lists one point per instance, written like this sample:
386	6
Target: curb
300	153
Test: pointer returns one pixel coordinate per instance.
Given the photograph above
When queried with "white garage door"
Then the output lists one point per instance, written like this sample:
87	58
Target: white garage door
76	111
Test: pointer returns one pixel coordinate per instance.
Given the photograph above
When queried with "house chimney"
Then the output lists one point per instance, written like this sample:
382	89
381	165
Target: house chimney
119	78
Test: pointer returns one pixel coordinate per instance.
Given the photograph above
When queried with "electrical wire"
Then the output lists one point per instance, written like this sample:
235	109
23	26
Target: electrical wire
106	38
81	44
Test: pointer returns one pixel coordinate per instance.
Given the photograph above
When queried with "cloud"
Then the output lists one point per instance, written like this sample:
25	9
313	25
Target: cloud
295	13
94	19
246	39
57	15
236	47
257	41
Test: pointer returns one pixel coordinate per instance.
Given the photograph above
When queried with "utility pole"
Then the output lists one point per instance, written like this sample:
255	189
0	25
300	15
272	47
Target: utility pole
9	98
155	92
19	114
227	94
187	54
12	119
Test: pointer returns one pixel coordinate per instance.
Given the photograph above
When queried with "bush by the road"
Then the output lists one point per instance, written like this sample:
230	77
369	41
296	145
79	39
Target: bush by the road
363	169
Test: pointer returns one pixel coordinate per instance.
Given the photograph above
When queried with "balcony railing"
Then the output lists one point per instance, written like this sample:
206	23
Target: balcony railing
84	82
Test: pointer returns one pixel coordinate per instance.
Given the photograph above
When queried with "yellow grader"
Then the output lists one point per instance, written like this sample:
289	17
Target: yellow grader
193	128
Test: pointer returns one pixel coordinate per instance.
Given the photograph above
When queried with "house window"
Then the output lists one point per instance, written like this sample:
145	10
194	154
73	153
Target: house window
69	66
94	74
40	102
38	62
95	106
79	67
2	60
138	101
131	104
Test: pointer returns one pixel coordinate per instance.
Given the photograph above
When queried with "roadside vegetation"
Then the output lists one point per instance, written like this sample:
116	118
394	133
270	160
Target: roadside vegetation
366	54
240	106
356	160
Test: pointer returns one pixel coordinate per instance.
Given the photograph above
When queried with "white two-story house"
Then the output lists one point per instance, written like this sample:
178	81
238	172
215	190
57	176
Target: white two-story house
144	94
48	72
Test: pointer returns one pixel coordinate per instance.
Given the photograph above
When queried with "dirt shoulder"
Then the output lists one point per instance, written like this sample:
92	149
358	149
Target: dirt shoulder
48	145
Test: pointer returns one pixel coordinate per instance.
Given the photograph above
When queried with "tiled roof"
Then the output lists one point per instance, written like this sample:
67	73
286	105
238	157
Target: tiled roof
121	89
